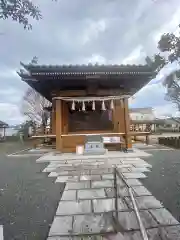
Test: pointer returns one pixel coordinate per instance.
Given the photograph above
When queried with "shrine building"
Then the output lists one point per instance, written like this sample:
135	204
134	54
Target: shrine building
88	100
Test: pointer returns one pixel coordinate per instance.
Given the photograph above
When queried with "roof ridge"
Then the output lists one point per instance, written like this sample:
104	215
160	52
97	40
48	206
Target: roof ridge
84	65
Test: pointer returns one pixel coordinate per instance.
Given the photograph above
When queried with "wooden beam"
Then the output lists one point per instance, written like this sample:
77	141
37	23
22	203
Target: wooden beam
91	90
53	117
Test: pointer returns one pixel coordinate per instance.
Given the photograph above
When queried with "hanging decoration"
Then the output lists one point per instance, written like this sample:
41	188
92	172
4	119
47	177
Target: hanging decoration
121	101
73	106
83	106
103	106
112	104
83	100
93	106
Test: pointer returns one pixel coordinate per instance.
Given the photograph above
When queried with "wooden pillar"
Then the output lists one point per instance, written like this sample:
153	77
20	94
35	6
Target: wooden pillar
127	124
65	116
59	124
118	117
53	117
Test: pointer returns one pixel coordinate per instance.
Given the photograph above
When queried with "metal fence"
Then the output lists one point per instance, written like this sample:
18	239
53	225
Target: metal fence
119	184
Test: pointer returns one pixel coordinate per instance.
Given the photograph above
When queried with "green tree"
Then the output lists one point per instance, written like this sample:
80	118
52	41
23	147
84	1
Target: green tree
169	52
19	11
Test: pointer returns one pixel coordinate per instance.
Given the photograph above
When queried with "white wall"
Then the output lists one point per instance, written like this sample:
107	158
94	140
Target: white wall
140	116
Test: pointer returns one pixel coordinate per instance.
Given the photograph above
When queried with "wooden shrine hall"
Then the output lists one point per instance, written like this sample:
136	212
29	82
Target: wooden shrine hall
88	100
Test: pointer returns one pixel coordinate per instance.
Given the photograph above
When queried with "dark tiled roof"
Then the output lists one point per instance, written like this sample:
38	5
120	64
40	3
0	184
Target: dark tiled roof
3	124
87	69
47	78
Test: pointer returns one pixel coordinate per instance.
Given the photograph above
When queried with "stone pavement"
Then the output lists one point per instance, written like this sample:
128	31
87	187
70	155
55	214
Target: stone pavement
87	207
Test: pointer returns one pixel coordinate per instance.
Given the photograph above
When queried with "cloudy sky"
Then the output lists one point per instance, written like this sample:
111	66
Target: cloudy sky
82	31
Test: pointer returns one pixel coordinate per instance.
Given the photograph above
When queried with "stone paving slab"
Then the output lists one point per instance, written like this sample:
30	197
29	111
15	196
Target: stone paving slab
153	234
110	192
124	165
112	154
146	202
146	165
128	220
77	185
93	224
102	171
74	207
49	169
88	237
141	190
171	233
138	169
69	195
81	224
133	182
96	174
103	183
122	191
53	174
107	176
67	179
163	217
167	233
61	226
134	175
91	193
107	205
90	177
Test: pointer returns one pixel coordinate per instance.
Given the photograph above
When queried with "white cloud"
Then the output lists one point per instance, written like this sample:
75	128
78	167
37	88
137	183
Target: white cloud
83	31
150	96
137	55
94	28
10	113
166	110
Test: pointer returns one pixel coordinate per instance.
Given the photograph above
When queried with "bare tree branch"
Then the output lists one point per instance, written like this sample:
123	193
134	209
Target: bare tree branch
33	105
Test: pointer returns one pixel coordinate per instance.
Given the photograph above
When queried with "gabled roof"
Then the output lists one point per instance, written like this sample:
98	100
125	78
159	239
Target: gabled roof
47	78
87	69
3	124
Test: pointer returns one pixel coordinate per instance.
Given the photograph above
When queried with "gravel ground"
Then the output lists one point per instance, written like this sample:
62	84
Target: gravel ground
164	179
28	198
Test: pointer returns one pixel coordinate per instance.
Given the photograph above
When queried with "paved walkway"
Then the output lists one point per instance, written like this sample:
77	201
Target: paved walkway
87	206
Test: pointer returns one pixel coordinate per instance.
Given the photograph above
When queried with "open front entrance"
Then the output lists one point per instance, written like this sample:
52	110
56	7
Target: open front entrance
77	118
89	120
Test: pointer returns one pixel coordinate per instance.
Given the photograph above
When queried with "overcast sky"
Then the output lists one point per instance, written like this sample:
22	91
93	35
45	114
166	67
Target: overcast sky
82	31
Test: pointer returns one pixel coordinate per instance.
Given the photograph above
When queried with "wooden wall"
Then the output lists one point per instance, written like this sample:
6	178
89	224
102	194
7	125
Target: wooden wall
68	143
